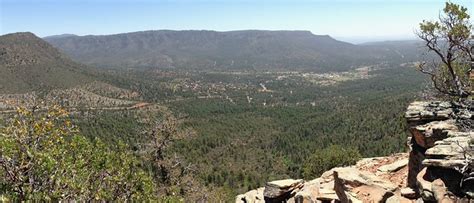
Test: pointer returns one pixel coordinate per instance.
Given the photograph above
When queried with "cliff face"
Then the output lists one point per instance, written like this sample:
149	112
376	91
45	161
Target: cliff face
438	167
442	150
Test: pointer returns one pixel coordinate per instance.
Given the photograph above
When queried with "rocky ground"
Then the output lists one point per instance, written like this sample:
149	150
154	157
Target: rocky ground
438	167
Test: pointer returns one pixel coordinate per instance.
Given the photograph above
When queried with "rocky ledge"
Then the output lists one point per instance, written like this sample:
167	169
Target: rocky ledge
438	167
441	151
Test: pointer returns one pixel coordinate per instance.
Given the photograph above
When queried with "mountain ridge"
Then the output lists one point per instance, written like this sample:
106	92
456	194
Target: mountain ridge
205	49
59	36
28	63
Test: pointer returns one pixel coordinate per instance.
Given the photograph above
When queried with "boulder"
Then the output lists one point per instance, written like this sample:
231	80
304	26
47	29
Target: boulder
281	190
349	176
309	192
353	185
352	178
395	166
371	193
240	198
440	191
252	196
305	197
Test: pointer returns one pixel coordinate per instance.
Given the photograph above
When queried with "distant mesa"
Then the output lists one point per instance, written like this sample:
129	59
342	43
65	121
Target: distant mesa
60	36
204	49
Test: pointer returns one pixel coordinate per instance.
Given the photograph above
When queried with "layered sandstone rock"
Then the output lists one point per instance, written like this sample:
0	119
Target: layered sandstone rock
441	153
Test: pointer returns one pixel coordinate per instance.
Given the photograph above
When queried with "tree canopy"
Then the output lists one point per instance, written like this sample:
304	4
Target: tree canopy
451	40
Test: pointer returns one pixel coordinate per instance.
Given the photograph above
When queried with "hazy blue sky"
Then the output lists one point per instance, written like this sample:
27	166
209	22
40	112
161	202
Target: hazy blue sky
350	20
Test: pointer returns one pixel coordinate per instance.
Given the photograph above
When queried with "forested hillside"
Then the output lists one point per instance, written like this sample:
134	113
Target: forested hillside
246	135
28	63
236	101
201	50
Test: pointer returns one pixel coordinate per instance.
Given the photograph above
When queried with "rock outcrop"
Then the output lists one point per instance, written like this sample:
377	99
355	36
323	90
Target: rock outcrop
438	167
441	154
280	190
252	196
363	182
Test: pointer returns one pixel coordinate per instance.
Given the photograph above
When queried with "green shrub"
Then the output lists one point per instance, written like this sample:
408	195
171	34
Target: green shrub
42	157
330	157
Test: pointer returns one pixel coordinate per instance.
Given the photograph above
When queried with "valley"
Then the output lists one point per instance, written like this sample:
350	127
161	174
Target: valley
243	126
236	101
244	119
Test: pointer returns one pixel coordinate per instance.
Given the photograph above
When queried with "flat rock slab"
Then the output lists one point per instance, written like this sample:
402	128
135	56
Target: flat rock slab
353	177
287	183
395	166
450	152
428	111
276	189
327	195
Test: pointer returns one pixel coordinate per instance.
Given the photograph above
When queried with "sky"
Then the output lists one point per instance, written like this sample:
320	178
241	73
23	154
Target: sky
354	21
